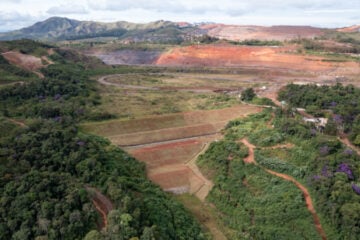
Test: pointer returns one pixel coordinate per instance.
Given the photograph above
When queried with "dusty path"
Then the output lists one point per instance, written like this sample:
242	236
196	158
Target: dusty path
347	142
21	124
251	157
204	190
103	80
309	203
12	83
102	204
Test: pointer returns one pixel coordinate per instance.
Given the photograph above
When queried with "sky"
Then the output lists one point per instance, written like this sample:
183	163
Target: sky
15	14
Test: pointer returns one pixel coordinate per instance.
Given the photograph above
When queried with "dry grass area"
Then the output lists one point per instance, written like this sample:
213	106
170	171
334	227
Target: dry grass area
186	80
130	104
167	127
169	143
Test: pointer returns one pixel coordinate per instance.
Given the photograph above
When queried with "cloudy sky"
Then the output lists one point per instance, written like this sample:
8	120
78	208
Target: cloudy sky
15	14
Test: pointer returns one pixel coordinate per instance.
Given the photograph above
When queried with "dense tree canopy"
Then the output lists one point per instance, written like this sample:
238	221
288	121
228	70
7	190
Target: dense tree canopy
47	165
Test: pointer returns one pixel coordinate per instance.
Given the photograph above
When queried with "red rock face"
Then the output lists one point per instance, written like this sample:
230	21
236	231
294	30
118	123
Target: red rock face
247	56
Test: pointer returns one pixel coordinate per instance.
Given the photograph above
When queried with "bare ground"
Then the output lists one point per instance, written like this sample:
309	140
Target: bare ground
102	204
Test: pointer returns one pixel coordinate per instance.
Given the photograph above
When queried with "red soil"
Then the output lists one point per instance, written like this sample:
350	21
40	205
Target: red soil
165	146
172	178
167	154
28	62
24	61
102	204
231	56
251	157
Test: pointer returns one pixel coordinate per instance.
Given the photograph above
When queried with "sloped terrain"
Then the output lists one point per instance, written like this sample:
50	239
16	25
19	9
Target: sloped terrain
168	143
236	56
239	33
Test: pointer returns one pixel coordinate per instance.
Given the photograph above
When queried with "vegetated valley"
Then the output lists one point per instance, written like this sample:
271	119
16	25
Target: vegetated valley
196	138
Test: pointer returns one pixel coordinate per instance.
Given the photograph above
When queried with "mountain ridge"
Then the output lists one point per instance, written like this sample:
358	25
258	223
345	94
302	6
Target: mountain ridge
60	28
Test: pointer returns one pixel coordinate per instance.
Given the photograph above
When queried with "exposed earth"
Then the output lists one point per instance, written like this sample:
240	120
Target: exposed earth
27	62
243	32
245	56
169	144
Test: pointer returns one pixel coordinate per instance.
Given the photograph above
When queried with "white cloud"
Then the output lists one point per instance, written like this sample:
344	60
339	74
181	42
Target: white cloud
11	19
326	13
67	9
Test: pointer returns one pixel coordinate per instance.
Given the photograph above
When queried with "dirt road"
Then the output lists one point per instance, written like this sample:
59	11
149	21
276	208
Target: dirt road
17	122
207	89
204	190
103	80
102	204
347	142
308	200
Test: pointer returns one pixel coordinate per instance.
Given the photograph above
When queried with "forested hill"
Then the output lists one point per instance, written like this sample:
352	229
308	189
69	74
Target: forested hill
57	28
51	172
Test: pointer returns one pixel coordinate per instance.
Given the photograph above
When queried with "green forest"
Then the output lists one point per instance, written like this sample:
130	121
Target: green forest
47	166
257	205
338	103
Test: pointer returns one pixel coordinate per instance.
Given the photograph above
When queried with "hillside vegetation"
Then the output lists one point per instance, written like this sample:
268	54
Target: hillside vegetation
257	205
57	28
48	167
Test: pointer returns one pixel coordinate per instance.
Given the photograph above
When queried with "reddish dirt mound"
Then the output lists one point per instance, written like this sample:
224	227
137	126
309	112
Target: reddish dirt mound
232	56
24	61
243	32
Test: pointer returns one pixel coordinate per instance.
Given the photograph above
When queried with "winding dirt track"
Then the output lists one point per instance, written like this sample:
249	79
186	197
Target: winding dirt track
347	142
309	203
21	124
207	185
102	204
208	89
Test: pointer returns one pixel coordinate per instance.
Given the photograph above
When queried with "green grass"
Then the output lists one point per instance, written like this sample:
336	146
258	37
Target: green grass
253	203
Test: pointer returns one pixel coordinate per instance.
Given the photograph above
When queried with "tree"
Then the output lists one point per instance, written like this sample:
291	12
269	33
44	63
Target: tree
93	235
248	94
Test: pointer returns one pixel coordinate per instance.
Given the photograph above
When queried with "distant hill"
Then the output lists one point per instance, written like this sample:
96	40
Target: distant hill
246	32
351	29
57	28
